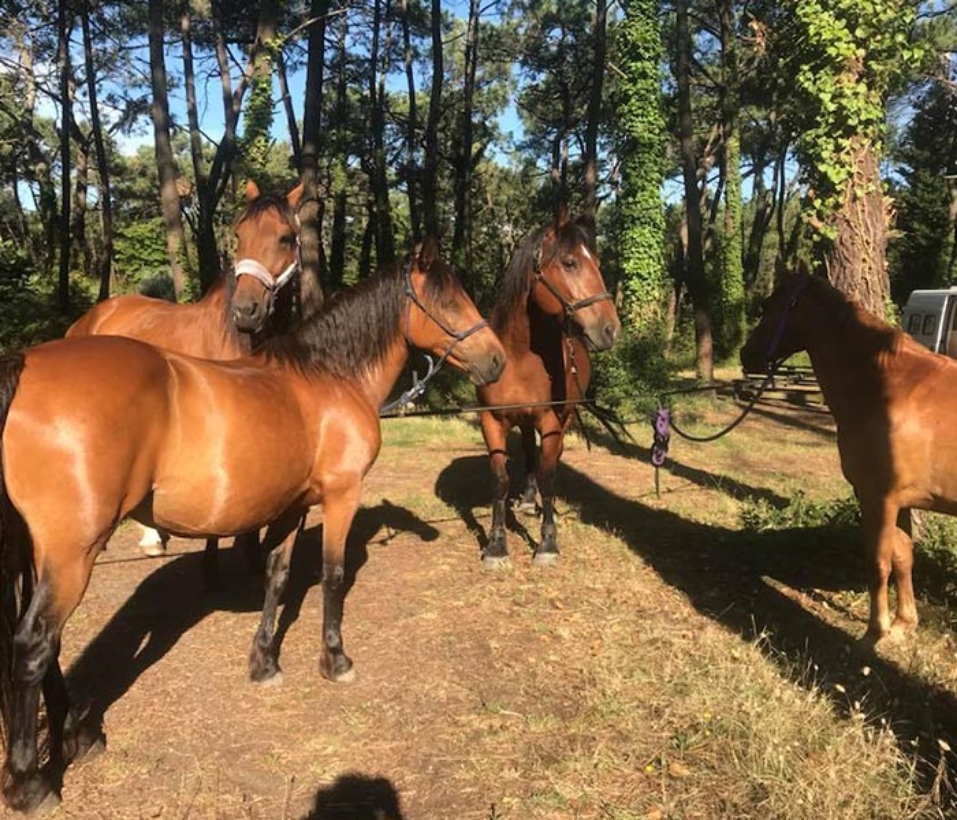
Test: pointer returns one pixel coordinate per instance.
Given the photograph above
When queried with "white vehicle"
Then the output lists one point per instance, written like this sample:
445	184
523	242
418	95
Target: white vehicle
931	318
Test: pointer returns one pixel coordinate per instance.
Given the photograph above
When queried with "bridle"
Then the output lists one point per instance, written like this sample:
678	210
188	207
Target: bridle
419	384
568	308
456	335
782	324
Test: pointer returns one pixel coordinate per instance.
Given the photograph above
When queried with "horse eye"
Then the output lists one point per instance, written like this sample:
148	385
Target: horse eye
569	262
287	241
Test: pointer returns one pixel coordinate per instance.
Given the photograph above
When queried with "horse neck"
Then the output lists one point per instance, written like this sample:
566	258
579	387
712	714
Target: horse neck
376	382
848	356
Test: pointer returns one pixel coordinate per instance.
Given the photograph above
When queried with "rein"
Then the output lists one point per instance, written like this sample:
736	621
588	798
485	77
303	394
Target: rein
419	385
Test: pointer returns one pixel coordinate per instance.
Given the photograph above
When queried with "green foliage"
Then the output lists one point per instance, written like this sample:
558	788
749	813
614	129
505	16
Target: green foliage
640	128
845	56
140	253
630	376
760	515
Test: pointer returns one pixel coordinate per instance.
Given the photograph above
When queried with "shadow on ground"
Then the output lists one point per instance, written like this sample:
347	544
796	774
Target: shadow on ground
730	576
173	599
357	797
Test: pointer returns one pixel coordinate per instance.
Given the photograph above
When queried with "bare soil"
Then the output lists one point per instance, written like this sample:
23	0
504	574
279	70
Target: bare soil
476	691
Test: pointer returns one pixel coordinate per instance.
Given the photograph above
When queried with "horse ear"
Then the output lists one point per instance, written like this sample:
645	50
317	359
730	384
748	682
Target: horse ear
428	252
252	191
561	214
587	223
803	268
295	195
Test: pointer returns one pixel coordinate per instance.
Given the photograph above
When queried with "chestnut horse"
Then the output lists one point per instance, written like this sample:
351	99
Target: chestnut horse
240	310
892	401
552	308
97	428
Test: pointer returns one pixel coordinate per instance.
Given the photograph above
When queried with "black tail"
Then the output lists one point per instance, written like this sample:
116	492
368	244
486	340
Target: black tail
14	550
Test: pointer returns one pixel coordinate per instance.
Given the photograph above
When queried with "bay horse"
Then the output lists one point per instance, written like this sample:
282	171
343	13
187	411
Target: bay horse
552	308
97	428
253	301
892	402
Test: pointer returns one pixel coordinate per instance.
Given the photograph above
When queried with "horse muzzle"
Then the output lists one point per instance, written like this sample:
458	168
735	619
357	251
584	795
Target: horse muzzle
249	315
603	334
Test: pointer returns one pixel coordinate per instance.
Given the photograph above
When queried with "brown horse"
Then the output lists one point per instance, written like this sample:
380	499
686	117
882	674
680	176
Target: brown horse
892	401
552	308
98	428
241	309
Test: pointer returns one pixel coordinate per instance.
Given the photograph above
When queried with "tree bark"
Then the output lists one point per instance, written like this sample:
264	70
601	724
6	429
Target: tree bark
857	259
694	261
412	127
337	251
64	26
462	233
104	253
310	206
384	238
430	164
293	127
165	164
593	115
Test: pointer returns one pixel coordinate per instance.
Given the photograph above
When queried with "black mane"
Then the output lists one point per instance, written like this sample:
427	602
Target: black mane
357	326
533	253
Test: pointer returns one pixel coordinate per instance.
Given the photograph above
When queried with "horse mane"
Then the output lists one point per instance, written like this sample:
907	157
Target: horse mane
530	255
846	312
357	326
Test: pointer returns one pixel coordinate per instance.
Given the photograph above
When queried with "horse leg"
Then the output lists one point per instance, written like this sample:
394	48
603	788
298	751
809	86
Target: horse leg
153	542
36	647
903	564
496	550
70	738
529	498
211	563
552	446
879	519
248	542
339	508
264	655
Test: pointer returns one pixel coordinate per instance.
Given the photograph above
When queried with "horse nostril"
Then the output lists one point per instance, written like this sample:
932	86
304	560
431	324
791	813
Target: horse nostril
611	332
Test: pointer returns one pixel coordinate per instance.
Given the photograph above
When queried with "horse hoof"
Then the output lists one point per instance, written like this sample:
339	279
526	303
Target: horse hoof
349	676
153	550
274	680
34	796
545	559
496	563
84	745
337	670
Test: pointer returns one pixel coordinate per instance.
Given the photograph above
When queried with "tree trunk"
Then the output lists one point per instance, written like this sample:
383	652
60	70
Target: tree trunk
731	333
379	182
640	126
462	233
411	134
337	251
291	125
206	247
430	164
694	264
593	115
79	252
104	253
66	112
856	260
310	206
165	164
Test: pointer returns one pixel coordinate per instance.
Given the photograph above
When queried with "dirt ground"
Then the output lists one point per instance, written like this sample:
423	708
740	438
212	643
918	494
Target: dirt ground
448	656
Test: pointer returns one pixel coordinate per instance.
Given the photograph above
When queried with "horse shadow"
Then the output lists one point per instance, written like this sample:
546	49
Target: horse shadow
356	797
174	598
734	577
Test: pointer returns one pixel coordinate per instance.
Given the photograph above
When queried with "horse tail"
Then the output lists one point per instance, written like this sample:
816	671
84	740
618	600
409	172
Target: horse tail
15	576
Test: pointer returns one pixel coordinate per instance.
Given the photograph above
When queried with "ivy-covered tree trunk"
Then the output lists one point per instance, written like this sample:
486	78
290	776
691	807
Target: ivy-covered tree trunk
593	114
731	332
856	259
694	258
848	55
430	160
640	124
462	184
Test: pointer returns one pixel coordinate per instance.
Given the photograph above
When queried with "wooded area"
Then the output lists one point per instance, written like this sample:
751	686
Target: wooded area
711	140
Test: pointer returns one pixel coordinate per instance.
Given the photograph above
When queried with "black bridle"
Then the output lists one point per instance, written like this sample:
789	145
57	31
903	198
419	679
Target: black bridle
568	308
419	384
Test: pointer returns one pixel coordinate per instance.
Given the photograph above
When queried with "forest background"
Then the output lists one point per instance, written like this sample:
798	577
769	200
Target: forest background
713	142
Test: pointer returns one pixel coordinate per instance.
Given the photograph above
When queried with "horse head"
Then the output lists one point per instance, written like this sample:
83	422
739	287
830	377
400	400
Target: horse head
267	254
568	281
779	333
443	320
